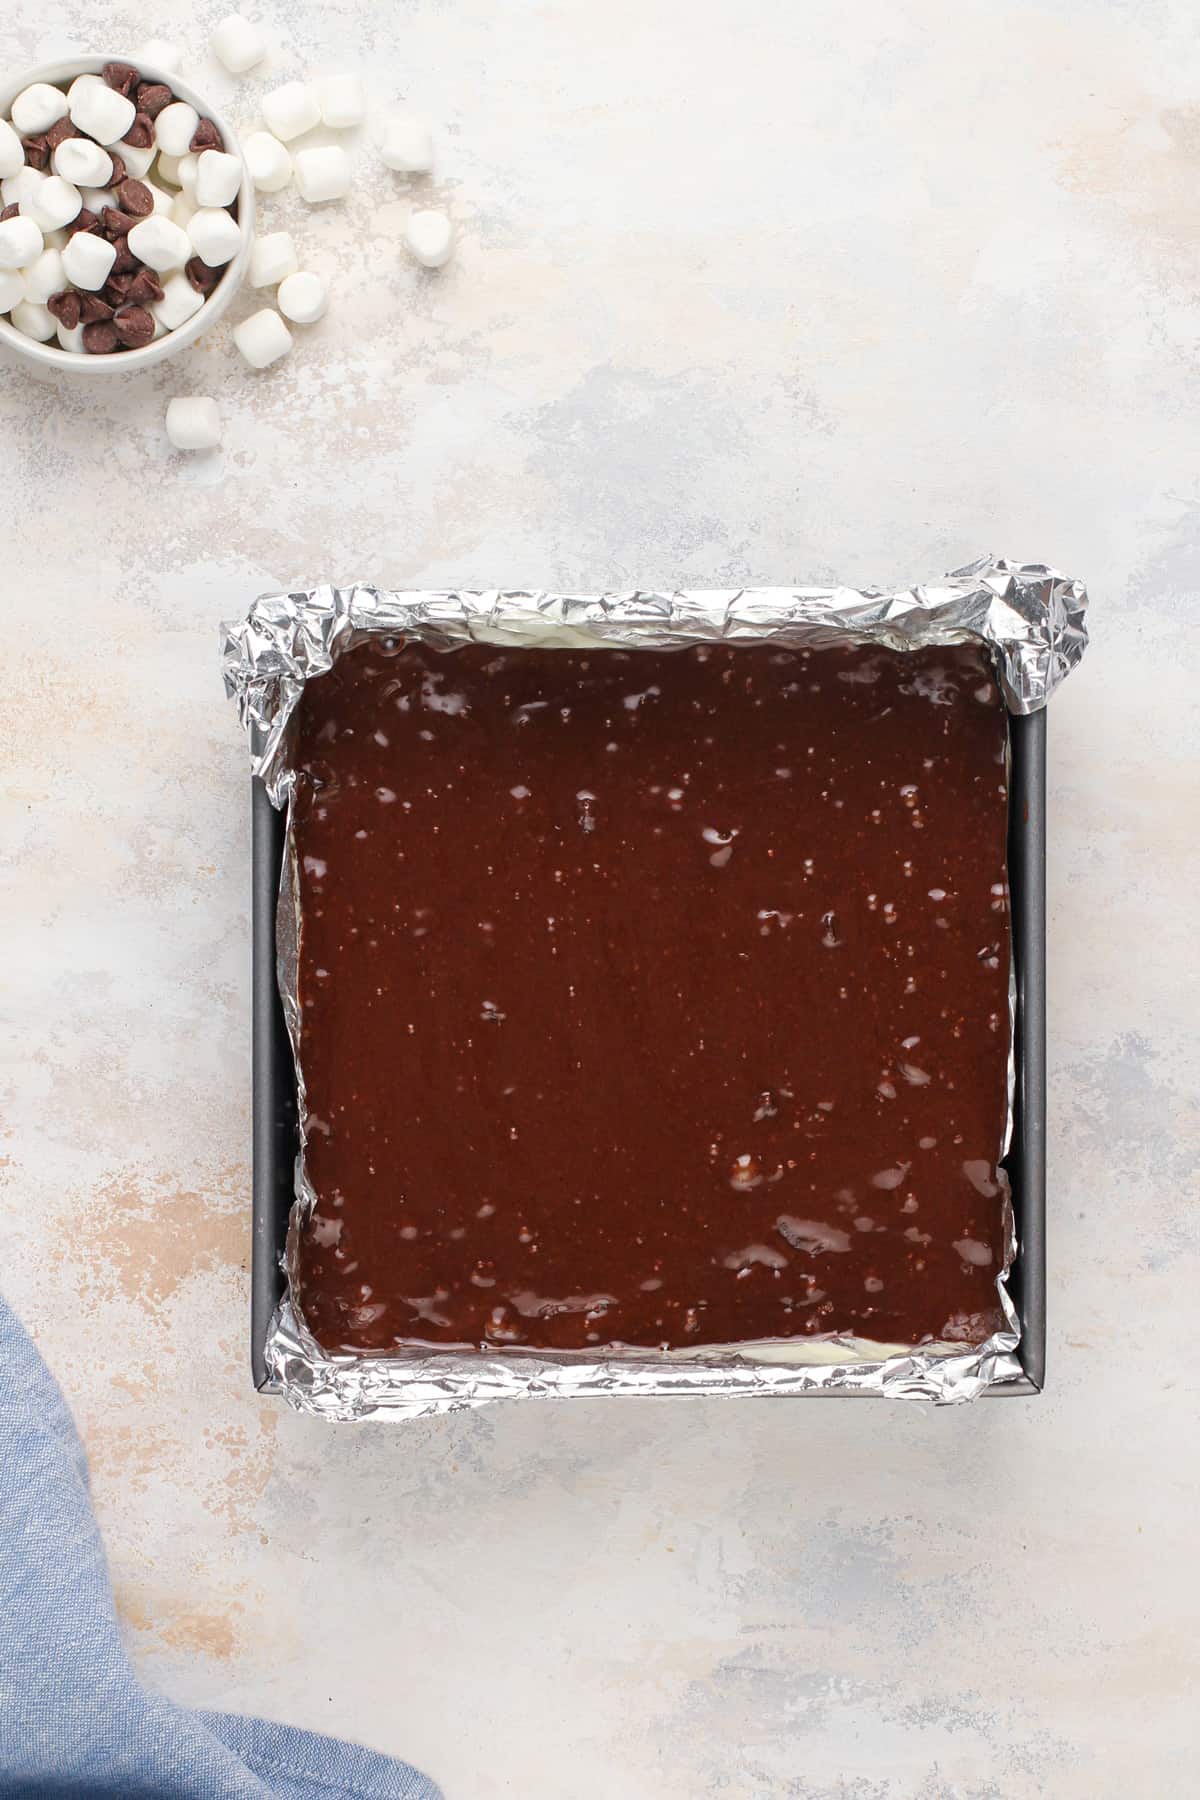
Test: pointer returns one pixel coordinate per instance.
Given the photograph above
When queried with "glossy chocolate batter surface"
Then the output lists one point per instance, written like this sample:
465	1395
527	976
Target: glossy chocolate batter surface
652	999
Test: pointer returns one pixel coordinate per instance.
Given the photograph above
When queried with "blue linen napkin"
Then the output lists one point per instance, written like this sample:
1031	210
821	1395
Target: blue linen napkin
74	1718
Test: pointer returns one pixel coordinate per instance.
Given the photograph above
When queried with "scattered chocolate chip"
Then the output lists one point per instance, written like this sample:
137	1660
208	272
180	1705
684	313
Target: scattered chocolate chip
122	76
126	263
116	289
100	338
136	198
83	221
117	224
140	135
65	308
119	171
9	212
134	326
143	288
60	132
202	278
37	152
207	137
93	308
150	98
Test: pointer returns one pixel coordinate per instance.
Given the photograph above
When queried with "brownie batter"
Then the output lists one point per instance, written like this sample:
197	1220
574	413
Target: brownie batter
652	999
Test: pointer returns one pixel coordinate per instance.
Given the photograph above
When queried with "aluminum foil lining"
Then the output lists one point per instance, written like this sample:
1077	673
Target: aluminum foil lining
1030	617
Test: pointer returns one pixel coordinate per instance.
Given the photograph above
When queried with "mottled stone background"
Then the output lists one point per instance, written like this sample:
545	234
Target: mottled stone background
762	293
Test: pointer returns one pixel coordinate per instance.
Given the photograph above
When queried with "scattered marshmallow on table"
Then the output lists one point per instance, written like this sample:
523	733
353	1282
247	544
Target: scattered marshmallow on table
160	54
303	297
81	161
12	151
45	276
323	174
291	110
430	237
175	128
98	110
87	261
263	338
20	242
238	44
180	300
406	145
54	202
343	103
159	243
215	236
218	178
37	108
269	162
34	320
272	259
193	423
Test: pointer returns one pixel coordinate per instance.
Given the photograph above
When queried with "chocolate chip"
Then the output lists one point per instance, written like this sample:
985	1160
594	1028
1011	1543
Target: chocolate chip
140	135
136	198
60	132
202	278
122	76
92	308
100	338
37	152
117	224
143	288
207	137
151	97
116	289
119	171
65	308
126	263
9	212
134	327
83	221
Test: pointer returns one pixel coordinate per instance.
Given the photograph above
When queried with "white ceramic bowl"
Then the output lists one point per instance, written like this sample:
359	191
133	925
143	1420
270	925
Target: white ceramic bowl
128	362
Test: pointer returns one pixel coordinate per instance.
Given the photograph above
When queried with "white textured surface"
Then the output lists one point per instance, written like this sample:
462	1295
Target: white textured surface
792	292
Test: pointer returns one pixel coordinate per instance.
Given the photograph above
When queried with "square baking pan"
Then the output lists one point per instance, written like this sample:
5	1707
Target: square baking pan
275	1129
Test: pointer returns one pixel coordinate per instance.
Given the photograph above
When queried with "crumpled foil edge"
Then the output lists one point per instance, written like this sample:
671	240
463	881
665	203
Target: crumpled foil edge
1031	618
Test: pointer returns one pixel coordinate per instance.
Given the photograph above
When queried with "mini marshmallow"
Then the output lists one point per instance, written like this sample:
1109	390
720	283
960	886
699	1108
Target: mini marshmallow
163	202
37	108
303	298
323	174
430	237
137	161
33	320
183	211
215	235
17	189
160	55
186	168
56	240
175	127
193	423
342	101
71	340
88	260
406	145
180	300
291	110
98	110
96	199
159	243
79	160
20	242
12	151
218	178
269	162
12	288
272	259
56	202
263	338
238	44
45	276
168	170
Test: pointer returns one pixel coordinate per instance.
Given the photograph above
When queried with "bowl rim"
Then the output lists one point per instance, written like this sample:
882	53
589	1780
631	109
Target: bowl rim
128	362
